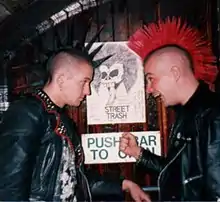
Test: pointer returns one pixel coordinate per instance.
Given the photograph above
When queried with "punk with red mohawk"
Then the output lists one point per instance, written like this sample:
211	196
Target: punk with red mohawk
174	32
190	170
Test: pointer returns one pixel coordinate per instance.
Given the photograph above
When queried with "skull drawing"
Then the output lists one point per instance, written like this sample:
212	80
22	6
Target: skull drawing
118	72
111	78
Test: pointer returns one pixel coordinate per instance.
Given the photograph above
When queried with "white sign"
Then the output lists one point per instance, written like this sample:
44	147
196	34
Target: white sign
117	90
102	148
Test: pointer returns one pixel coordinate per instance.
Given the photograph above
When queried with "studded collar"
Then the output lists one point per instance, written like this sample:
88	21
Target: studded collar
48	103
52	108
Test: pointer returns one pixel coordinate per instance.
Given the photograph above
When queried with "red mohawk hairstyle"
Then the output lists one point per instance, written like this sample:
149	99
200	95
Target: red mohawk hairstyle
173	32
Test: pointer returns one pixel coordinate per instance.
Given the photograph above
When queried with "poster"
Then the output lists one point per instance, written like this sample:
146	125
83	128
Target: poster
117	90
103	148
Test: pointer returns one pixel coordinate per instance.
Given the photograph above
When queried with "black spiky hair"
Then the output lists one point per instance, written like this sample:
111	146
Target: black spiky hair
78	48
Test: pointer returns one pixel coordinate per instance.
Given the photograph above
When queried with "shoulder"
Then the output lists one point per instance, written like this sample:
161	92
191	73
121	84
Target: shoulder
23	122
23	110
210	120
209	106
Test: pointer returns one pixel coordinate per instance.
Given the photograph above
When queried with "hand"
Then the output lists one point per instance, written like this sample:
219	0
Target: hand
135	191
128	145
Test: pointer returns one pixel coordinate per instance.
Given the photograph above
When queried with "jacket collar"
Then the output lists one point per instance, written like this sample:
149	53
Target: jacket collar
60	128
199	97
47	102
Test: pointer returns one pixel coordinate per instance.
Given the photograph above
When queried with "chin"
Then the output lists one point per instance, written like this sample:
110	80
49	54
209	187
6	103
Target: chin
170	104
77	104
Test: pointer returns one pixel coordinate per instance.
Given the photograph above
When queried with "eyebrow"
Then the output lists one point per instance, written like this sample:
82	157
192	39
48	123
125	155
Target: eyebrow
87	78
148	74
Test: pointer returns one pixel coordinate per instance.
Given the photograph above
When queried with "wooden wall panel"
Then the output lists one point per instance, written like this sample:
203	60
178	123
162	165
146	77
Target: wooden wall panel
122	19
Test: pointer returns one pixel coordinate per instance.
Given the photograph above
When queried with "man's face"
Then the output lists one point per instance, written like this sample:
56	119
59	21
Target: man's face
77	86
160	80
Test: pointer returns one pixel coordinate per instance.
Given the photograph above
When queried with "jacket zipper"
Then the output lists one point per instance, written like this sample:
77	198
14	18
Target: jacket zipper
162	171
88	189
191	179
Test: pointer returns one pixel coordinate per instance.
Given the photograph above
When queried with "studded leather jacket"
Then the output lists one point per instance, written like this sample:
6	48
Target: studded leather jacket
191	169
41	158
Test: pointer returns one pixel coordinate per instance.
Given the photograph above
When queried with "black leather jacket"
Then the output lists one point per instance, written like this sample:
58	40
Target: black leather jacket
35	139
191	170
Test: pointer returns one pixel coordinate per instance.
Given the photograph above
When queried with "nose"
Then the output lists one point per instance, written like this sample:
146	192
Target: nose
87	91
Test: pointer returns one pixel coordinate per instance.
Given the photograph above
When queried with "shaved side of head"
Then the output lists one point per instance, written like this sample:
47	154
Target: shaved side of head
64	63
169	57
61	63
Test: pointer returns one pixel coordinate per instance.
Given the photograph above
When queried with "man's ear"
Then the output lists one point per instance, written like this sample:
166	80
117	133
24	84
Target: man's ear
175	70
60	80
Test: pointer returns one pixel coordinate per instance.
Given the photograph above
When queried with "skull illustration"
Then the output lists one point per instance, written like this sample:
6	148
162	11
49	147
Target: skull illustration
111	78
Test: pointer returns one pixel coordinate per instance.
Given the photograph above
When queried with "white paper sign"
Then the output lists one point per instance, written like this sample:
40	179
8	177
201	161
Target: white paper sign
117	90
102	148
